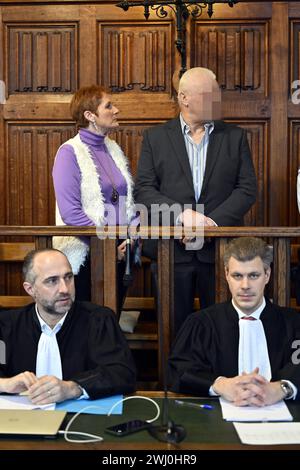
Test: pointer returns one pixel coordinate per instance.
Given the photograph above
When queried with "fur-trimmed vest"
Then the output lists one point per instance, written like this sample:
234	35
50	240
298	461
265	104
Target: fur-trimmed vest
92	198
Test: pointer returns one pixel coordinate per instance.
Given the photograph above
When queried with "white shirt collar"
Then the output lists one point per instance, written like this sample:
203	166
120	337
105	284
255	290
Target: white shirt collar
256	314
46	328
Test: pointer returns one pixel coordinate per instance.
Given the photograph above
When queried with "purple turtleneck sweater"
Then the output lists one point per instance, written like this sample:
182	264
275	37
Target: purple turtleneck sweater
67	180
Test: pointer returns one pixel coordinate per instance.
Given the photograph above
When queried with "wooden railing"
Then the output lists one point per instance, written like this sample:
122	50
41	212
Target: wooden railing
103	263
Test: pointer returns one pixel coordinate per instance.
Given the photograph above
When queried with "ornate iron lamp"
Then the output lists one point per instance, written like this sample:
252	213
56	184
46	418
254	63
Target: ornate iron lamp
182	9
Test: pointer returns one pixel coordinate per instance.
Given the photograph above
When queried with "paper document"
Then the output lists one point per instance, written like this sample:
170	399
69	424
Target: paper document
277	412
17	402
268	433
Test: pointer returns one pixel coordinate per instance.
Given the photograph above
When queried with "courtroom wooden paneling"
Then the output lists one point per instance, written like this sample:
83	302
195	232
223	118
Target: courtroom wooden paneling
135	56
31	150
257	134
129	137
135	59
235	51
40	57
278	201
49	49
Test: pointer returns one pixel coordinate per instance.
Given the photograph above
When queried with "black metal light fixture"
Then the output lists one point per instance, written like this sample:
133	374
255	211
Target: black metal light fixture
182	9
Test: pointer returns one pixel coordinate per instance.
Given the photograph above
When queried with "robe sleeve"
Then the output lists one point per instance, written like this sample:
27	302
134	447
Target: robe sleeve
110	368
190	369
290	343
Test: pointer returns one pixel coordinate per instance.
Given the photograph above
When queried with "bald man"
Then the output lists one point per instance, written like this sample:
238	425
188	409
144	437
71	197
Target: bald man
202	167
56	348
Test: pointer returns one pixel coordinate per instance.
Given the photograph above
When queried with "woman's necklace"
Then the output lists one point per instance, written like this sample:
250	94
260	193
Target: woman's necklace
114	198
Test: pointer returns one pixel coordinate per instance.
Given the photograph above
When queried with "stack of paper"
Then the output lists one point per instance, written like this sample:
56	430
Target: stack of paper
17	402
277	412
268	433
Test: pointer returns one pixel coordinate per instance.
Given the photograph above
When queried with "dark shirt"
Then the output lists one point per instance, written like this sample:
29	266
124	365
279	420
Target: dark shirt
93	350
207	345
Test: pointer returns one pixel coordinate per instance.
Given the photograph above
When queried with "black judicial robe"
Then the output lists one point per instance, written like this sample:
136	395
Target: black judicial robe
207	344
94	352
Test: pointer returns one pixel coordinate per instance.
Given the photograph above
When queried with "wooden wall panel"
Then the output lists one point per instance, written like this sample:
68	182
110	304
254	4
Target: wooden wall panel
41	58
30	154
135	56
295	49
257	134
130	137
278	202
235	51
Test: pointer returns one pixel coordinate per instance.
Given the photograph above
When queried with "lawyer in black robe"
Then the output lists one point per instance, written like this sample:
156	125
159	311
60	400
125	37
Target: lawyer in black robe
207	347
93	350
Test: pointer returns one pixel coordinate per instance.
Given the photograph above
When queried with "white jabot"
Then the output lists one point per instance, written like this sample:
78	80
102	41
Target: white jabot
253	349
48	361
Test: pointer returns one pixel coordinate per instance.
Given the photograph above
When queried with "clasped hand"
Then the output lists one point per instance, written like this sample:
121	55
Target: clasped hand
248	389
190	218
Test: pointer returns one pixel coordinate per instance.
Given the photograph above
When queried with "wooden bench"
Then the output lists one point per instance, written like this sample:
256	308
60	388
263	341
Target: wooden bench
144	336
15	252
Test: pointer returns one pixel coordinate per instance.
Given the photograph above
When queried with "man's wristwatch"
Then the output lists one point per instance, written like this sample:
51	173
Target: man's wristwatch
287	389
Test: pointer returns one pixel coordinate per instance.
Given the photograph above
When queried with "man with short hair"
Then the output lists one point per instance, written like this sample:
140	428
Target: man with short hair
57	348
199	161
244	349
